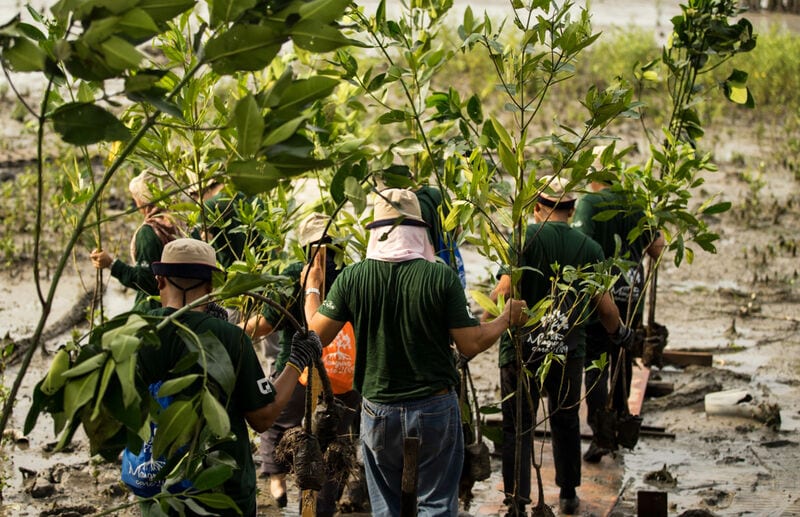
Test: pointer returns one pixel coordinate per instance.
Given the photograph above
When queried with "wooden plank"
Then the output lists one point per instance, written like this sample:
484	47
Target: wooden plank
408	494
641	374
684	358
651	503
308	498
658	388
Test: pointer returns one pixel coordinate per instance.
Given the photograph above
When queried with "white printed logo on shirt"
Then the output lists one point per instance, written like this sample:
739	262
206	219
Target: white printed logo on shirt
264	386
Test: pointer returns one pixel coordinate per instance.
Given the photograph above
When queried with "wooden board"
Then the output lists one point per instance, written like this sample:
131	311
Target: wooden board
683	358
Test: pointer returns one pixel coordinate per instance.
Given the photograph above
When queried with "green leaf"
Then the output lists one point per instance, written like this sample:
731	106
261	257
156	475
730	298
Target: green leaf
283	132
120	54
214	358
717	208
485	302
249	125
78	392
394	116
24	56
215	500
85	124
243	48
253	176
215	415
91	364
99	31
355	194
223	11
164	10
137	24
357	171
296	95
323	11
126	373
212	477
475	109
314	36
108	371
175	386
240	283
736	94
122	341
175	423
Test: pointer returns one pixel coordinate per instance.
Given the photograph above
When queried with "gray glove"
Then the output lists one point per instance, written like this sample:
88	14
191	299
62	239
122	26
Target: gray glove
623	337
305	350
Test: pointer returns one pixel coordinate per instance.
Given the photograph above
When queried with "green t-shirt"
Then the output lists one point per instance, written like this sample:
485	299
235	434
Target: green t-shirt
605	232
546	244
401	314
147	249
251	391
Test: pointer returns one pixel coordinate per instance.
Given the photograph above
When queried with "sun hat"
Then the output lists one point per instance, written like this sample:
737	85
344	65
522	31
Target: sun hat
139	186
555	193
187	258
312	228
396	206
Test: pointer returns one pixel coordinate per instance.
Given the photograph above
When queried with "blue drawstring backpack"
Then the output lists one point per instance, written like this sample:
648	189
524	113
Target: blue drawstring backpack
139	471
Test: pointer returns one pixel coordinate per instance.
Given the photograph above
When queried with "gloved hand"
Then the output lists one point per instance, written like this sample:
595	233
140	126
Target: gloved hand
623	337
305	349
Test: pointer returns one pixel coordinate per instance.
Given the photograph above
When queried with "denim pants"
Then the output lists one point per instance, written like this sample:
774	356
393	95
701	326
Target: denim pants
563	386
436	421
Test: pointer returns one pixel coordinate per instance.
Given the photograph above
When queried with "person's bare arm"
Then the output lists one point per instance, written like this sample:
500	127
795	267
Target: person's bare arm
470	341
608	312
256	326
262	419
326	328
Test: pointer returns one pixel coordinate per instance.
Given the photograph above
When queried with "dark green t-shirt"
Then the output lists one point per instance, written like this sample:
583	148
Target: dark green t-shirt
147	249
251	391
401	314
628	288
546	244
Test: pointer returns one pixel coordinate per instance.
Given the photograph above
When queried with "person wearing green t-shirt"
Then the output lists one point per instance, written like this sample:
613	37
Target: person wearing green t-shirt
183	275
550	242
627	293
157	229
310	232
405	307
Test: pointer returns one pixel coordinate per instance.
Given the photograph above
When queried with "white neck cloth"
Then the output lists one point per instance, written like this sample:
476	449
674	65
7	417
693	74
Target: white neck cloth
402	243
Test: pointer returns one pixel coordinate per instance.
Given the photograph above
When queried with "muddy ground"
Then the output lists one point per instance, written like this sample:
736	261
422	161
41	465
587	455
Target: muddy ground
740	304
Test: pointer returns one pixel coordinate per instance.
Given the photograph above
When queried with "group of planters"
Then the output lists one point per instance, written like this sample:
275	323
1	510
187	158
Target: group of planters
241	154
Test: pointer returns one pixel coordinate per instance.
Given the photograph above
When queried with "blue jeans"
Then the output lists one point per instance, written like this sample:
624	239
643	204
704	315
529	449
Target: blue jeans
436	421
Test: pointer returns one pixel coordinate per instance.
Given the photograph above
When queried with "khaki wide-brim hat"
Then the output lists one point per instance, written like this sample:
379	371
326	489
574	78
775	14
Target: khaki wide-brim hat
312	229
555	192
396	206
187	258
